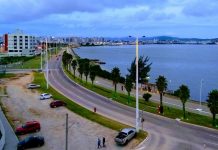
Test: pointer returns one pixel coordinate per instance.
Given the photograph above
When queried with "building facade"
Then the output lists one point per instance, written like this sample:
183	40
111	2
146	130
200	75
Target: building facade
19	44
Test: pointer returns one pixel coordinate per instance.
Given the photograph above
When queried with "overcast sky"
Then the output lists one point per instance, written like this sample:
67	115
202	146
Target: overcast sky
111	18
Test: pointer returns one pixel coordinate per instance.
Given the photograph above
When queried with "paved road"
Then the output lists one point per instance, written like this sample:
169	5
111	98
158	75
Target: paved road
164	133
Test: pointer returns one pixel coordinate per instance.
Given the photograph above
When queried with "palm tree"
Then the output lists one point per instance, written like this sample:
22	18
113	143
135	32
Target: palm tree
161	83
74	65
212	103
92	74
184	94
115	76
86	68
143	67
81	68
128	86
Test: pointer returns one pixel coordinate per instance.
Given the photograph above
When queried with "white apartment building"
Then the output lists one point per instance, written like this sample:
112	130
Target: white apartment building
19	44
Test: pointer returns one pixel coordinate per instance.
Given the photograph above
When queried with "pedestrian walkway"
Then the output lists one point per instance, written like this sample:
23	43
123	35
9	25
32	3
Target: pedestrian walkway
11	139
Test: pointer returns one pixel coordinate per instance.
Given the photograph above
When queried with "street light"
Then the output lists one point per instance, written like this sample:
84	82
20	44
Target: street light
47	62
201	83
137	91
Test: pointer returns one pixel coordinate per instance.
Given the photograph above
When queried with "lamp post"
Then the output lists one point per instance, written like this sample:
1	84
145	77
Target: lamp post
137	90
41	56
201	92
47	62
137	86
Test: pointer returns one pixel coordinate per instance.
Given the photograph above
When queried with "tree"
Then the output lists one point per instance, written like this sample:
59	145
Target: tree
66	59
212	103
143	68
115	75
147	96
161	83
184	94
93	72
86	68
128	86
81	67
74	65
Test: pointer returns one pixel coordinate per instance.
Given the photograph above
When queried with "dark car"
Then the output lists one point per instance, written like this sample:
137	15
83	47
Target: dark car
28	127
30	142
57	103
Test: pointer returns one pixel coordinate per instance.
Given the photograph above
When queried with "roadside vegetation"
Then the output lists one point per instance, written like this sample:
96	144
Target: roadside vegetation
161	83
90	115
7	75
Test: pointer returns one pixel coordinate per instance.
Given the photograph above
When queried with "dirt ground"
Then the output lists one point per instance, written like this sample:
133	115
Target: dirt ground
24	105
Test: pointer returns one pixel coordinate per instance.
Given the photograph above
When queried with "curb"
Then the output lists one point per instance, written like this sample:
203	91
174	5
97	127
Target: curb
139	147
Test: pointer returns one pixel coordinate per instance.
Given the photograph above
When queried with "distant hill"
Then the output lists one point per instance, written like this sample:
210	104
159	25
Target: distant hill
165	38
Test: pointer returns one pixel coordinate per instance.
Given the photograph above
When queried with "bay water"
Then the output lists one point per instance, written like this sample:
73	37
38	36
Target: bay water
180	64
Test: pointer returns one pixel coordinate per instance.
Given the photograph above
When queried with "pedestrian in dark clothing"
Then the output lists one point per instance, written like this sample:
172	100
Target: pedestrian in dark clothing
99	143
103	141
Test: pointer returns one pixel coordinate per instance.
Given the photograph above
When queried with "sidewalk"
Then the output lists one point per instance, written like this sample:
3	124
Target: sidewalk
11	139
176	103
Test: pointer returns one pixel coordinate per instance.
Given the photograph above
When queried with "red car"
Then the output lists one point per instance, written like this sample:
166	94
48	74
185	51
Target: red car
28	127
57	103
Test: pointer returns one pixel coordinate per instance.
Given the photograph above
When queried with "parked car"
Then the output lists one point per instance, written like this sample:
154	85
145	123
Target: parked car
30	142
45	96
28	127
125	135
33	86
57	103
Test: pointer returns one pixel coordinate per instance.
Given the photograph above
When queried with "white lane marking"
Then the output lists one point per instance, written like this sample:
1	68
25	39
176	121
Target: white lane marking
213	136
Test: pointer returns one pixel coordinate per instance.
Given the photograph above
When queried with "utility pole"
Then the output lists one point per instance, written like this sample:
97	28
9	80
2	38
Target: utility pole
66	148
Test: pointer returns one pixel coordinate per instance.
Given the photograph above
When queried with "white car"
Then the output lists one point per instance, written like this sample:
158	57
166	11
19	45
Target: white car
45	96
32	86
125	135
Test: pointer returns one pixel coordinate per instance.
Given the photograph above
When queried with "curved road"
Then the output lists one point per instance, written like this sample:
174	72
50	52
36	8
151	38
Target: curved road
164	133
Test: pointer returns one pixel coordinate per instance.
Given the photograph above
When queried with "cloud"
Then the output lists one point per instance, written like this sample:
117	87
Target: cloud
201	8
25	10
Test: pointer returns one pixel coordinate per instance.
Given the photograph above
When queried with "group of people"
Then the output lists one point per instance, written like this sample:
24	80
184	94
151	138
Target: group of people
99	142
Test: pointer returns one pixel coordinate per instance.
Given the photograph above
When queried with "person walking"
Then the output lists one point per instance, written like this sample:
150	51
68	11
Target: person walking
103	141
99	143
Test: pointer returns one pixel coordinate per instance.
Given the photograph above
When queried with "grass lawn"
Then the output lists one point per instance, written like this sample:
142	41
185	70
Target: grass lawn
7	75
112	124
147	106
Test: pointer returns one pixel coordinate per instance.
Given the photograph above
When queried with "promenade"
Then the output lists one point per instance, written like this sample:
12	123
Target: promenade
167	100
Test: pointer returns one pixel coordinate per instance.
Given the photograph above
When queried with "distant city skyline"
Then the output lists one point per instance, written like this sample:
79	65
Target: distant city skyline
91	18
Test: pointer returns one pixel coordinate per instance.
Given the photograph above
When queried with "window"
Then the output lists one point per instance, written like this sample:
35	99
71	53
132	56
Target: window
21	47
15	47
16	51
20	50
26	47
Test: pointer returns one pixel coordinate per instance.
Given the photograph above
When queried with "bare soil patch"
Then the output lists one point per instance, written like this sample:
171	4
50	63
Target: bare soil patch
24	105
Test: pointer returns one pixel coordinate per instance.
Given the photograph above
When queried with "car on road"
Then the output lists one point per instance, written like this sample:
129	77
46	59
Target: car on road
33	86
45	96
57	103
125	135
28	127
30	142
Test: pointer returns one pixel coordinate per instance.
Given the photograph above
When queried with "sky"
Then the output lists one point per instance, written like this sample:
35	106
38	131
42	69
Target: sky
109	18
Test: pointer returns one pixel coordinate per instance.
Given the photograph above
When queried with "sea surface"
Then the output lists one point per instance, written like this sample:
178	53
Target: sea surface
180	64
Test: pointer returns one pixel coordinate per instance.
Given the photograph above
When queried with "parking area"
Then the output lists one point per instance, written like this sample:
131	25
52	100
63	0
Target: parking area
24	105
